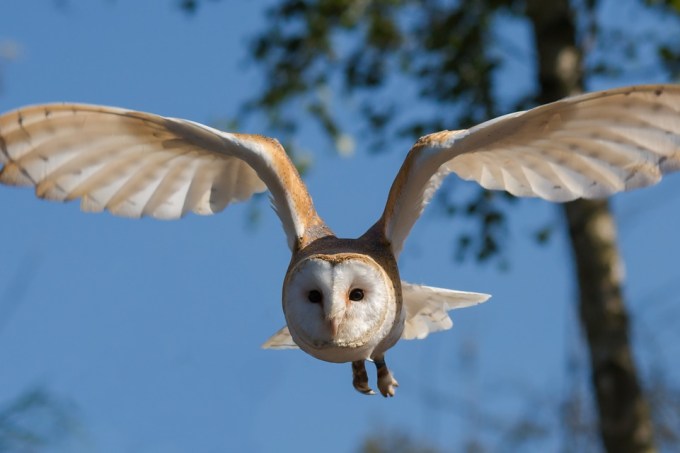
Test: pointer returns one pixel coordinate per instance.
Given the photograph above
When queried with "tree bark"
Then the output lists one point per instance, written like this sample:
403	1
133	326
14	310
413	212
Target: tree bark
624	418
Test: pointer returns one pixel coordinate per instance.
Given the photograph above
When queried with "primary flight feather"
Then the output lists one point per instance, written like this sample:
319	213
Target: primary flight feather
343	299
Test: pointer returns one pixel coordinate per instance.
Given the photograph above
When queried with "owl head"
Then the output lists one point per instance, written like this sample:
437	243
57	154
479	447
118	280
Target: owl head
336	304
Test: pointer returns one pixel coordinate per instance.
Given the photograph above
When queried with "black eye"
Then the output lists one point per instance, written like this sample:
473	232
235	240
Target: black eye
315	296
356	294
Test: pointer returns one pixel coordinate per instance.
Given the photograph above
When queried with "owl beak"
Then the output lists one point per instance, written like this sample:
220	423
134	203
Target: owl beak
334	324
335	313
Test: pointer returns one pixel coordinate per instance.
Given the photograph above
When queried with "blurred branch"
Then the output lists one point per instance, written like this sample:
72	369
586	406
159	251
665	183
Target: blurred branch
394	441
35	420
191	7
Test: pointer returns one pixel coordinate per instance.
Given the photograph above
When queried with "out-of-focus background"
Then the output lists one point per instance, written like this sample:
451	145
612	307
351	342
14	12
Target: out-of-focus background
144	336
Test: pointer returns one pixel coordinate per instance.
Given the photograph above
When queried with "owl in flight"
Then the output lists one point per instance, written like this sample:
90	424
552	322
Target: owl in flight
343	299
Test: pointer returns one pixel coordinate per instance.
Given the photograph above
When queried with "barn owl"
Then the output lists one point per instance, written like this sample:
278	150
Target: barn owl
343	299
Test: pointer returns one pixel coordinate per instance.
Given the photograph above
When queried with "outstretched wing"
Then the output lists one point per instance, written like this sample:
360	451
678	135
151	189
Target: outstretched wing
280	340
589	146
137	164
427	308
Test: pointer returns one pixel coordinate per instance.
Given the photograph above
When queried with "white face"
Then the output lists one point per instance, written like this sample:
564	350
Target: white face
337	303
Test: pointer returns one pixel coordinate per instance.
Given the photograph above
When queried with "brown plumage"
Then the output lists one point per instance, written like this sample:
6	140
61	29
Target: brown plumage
343	299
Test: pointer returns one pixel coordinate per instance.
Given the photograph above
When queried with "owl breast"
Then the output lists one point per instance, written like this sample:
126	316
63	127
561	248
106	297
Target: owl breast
341	307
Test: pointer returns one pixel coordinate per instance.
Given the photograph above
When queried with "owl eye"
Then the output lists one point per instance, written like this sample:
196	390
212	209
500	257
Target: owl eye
315	296
356	294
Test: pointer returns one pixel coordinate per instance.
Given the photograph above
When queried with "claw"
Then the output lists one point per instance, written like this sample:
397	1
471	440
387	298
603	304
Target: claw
388	386
365	390
360	378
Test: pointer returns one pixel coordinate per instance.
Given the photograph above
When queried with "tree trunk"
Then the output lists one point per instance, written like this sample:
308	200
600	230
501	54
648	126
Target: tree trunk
624	418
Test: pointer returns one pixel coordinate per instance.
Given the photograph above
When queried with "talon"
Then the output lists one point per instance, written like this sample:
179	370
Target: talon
386	382
387	389
360	378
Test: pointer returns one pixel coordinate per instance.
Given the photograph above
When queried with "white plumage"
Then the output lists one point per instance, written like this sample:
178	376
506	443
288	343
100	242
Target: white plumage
427	308
343	298
587	146
426	312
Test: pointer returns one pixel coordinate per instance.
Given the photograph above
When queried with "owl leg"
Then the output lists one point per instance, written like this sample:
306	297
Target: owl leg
386	382
360	378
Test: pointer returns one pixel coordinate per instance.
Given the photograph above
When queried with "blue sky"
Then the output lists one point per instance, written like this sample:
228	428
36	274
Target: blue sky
152	329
